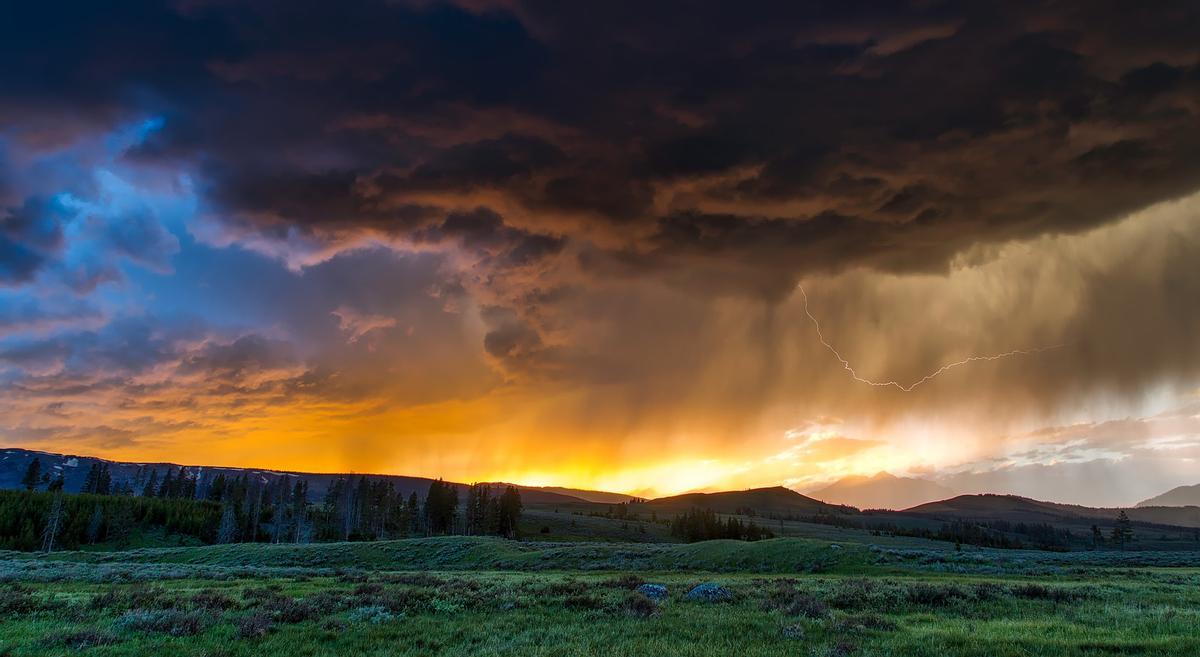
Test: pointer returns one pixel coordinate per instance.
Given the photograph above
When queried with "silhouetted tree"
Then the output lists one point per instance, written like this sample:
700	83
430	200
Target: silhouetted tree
151	487
95	523
1122	532
509	512
703	525
227	530
441	504
33	474
121	525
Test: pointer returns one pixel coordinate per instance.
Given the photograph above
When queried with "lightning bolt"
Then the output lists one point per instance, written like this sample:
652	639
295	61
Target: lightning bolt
896	384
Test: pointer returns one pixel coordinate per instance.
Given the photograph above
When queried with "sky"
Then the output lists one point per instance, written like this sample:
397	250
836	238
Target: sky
591	244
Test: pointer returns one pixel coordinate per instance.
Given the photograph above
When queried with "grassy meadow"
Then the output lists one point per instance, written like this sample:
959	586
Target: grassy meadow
488	596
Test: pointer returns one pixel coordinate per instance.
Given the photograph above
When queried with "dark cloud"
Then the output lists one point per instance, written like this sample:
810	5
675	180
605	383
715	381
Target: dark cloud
960	124
28	237
245	357
482	194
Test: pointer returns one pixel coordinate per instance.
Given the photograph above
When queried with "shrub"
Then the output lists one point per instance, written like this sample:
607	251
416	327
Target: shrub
787	599
987	591
934	594
17	600
443	606
261	593
370	588
372	615
795	631
397	600
1040	592
109	598
254	626
566	588
581	602
290	610
415	579
164	621
626	581
326	601
639	606
861	594
863	622
213	600
352	577
80	639
840	649
148	597
333	625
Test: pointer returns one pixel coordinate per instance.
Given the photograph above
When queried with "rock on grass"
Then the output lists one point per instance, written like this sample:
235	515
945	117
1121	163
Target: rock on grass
655	592
709	592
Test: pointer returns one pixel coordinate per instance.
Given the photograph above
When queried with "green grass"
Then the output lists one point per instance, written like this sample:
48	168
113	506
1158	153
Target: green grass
473	553
475	596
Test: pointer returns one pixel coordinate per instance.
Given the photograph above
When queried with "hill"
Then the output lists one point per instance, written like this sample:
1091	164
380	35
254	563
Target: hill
773	501
1180	496
1014	508
597	496
882	491
74	468
994	507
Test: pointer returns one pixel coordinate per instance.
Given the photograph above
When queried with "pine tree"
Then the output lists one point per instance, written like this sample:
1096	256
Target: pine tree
167	488
216	490
103	481
412	512
441	504
227	530
95	524
92	480
151	488
1123	531
121	525
509	512
33	474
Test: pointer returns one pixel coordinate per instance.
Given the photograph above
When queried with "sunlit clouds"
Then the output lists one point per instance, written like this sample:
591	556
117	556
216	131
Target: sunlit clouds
465	240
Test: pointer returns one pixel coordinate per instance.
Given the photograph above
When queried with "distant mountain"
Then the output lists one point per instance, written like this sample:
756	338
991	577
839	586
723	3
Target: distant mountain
1181	496
776	500
1014	508
597	496
74	469
882	491
995	507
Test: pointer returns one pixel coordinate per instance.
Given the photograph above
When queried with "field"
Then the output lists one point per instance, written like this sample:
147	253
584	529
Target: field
482	596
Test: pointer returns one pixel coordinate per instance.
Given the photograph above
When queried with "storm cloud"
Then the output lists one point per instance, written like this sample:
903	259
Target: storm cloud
411	220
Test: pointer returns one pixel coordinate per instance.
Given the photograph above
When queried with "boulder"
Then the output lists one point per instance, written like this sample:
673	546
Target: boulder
656	592
709	592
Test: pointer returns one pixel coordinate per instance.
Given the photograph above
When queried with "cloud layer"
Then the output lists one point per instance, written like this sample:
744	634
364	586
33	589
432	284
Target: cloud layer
523	239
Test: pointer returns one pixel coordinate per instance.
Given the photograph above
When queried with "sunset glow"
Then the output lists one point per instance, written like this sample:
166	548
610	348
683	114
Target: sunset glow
417	249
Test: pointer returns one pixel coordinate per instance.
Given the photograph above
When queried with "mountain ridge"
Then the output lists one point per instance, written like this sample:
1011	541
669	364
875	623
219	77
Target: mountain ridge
882	490
1023	509
1178	496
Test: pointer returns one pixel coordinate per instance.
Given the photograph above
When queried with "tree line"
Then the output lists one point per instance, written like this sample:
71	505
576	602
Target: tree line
705	525
229	509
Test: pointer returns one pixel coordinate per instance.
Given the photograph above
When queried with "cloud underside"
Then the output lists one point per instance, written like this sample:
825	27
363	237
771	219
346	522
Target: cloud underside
520	238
